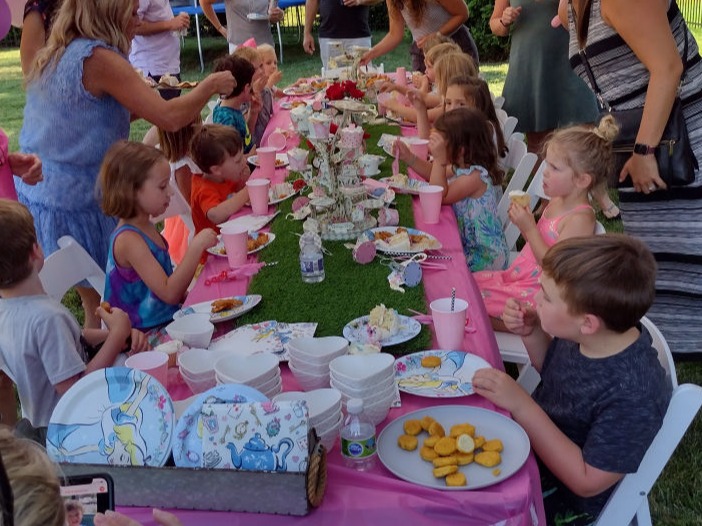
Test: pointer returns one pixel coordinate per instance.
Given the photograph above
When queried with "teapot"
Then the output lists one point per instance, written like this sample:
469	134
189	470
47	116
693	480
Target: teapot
256	455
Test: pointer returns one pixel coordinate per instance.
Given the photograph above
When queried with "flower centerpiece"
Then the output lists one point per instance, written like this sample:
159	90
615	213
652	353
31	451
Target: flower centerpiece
344	89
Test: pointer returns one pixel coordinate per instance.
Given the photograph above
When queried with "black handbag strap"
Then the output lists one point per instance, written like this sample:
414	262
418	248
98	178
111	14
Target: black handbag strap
603	104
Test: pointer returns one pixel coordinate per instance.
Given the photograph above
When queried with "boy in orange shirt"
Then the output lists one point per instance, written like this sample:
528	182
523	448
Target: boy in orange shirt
220	190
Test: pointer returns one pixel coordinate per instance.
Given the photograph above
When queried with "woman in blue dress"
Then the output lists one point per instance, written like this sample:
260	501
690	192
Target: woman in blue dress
81	95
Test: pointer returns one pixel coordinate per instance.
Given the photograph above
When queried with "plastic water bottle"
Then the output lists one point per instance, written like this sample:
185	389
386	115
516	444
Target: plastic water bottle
311	258
358	445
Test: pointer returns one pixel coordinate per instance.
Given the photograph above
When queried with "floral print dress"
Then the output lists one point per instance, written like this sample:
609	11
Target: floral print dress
481	232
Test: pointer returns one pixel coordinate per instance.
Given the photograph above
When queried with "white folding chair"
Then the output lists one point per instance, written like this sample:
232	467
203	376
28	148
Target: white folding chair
521	173
535	189
498	102
508	127
178	206
628	504
501	116
518	136
67	267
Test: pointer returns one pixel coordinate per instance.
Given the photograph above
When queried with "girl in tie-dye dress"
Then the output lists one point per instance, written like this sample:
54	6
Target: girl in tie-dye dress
577	159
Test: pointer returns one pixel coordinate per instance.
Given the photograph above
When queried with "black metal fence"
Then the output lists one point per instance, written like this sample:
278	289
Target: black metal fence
692	10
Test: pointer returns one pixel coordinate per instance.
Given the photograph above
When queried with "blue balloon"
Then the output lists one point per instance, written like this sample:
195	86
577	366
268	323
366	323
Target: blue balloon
5	19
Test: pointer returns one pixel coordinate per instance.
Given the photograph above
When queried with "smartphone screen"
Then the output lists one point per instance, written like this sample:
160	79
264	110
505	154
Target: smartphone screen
86	495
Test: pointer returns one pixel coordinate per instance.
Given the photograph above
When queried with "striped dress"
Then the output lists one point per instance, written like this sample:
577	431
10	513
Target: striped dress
670	222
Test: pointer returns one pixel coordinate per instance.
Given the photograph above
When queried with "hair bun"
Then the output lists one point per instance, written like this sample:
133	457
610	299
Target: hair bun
607	129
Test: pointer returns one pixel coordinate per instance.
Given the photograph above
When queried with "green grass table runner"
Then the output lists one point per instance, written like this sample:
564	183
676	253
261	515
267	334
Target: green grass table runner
349	289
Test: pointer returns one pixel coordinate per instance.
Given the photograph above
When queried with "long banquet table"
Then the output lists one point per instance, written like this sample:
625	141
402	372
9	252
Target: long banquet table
377	496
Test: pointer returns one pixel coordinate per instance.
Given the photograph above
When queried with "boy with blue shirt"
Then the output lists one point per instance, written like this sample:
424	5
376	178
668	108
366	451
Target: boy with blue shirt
603	392
230	110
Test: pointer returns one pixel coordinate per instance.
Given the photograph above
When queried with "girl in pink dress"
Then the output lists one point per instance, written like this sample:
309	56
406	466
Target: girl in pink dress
577	159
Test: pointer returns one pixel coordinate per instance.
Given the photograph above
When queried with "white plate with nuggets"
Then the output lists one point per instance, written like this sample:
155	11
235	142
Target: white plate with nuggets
242	304
409	465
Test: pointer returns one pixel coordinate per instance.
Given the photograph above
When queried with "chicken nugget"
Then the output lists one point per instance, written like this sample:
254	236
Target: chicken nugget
431	361
479	441
464	458
436	429
444	470
456	479
431	441
428	454
445	446
407	442
493	445
445	461
412	427
106	307
488	459
426	422
462	429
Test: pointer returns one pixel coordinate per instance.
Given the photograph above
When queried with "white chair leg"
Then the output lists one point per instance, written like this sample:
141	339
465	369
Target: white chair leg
528	378
280	42
199	43
643	515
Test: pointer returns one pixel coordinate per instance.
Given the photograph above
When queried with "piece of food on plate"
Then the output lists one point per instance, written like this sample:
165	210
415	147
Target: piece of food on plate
400	242
225	304
384	322
252	243
520	198
444	470
407	442
445	446
412	427
488	459
168	80
431	361
456	479
462	429
428	454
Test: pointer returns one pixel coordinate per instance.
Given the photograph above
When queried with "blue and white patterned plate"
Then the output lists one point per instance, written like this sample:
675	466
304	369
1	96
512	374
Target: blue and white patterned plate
359	331
451	379
116	416
187	444
248	303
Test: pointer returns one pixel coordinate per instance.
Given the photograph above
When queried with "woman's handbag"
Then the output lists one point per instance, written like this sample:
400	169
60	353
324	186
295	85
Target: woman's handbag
676	160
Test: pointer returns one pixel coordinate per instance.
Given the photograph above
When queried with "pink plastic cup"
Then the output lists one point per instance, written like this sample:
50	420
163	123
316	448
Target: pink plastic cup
420	148
449	326
235	238
154	363
401	76
266	160
430	197
258	194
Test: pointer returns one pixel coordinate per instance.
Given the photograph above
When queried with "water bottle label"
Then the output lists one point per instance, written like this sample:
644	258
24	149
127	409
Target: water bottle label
358	448
312	266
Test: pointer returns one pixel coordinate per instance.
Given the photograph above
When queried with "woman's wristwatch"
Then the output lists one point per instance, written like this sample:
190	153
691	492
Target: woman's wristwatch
644	149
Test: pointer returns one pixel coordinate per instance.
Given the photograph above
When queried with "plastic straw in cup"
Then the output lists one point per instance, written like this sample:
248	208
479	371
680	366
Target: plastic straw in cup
453	298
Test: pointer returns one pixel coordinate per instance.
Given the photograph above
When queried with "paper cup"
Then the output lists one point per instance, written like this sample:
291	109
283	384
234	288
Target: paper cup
258	194
401	76
420	148
430	197
266	161
235	242
154	363
449	326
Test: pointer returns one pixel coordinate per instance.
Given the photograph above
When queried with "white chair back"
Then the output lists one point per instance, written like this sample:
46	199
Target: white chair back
628	504
501	116
178	206
508	127
67	267
498	101
517	182
664	355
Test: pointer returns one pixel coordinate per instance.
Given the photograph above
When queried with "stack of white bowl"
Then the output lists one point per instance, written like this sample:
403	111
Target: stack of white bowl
310	358
197	367
370	377
194	330
324	406
260	371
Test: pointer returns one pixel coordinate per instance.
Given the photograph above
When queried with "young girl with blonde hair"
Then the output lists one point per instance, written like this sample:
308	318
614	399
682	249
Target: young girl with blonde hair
465	165
134	180
447	66
577	159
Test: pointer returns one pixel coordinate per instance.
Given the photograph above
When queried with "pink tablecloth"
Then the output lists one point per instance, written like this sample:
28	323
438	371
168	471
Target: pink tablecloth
378	497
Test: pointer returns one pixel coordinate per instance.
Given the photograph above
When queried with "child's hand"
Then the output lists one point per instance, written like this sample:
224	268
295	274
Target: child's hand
521	216
501	389
401	150
274	78
386	87
26	166
417	100
116	319
139	342
204	239
181	21
418	78
519	318
437	147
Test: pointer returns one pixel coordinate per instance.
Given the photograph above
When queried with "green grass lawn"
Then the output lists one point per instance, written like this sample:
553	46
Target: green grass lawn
677	496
